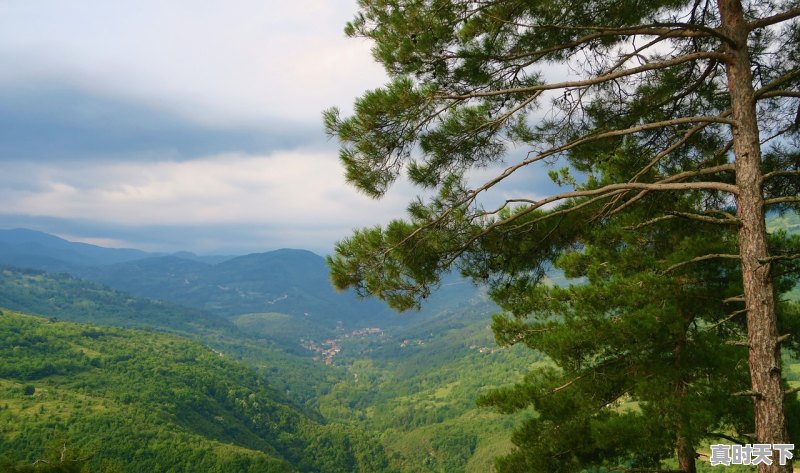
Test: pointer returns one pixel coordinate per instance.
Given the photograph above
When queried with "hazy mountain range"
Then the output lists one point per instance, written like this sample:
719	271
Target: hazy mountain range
287	281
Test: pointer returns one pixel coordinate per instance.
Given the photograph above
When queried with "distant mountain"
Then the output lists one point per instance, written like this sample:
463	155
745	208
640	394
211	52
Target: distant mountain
288	281
31	249
292	282
66	297
37	250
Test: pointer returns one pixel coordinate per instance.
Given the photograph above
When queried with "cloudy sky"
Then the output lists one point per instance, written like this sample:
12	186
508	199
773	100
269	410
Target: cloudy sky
182	125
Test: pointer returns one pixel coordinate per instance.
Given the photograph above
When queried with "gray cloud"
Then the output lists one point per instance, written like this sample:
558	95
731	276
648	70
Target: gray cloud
187	126
51	123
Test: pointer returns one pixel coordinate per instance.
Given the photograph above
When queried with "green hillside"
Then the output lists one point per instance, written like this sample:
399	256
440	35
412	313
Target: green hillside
63	296
141	401
292	282
415	389
787	221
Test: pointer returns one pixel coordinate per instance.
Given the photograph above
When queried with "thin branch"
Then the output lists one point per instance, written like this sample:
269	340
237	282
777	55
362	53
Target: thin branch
707	219
771	20
573	144
591	138
773	84
772	174
726	437
541	53
568	383
781	200
780	93
597	80
516	216
654	186
502	118
554	213
791	391
636	52
749	393
689	27
667	183
652	163
779	258
650	222
729	317
701	258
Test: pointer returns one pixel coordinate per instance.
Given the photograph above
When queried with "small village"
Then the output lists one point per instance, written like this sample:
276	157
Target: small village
331	347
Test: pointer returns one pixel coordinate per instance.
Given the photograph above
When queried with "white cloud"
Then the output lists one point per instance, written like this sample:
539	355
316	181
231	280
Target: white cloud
230	63
286	189
237	64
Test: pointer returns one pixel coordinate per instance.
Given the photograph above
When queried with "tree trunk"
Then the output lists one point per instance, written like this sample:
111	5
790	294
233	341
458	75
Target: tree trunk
686	456
686	451
762	330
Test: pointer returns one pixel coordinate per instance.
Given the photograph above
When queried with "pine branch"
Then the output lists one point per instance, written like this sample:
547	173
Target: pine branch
604	192
707	219
539	54
596	137
652	29
781	200
749	393
589	82
650	222
779	258
772	174
549	215
775	83
568	384
664	185
771	20
726	437
701	258
780	93
729	317
658	158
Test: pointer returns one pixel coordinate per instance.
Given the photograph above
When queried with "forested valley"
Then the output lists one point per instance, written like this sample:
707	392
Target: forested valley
96	379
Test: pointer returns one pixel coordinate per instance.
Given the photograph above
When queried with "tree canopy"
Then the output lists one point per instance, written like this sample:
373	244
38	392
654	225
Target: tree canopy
624	101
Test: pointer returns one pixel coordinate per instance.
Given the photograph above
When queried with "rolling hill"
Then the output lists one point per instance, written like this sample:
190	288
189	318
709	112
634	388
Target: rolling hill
131	401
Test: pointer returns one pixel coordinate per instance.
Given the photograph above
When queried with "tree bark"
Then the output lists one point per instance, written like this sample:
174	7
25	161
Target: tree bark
762	329
686	456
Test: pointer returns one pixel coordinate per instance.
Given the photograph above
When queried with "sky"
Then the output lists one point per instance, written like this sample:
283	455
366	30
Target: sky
184	125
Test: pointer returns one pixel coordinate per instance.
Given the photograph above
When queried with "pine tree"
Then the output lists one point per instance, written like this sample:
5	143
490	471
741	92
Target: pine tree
648	365
690	92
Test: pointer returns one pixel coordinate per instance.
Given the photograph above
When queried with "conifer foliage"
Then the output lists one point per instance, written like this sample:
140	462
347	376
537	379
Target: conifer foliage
690	104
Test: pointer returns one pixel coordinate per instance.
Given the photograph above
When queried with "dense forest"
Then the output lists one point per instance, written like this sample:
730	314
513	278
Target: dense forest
173	388
125	400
